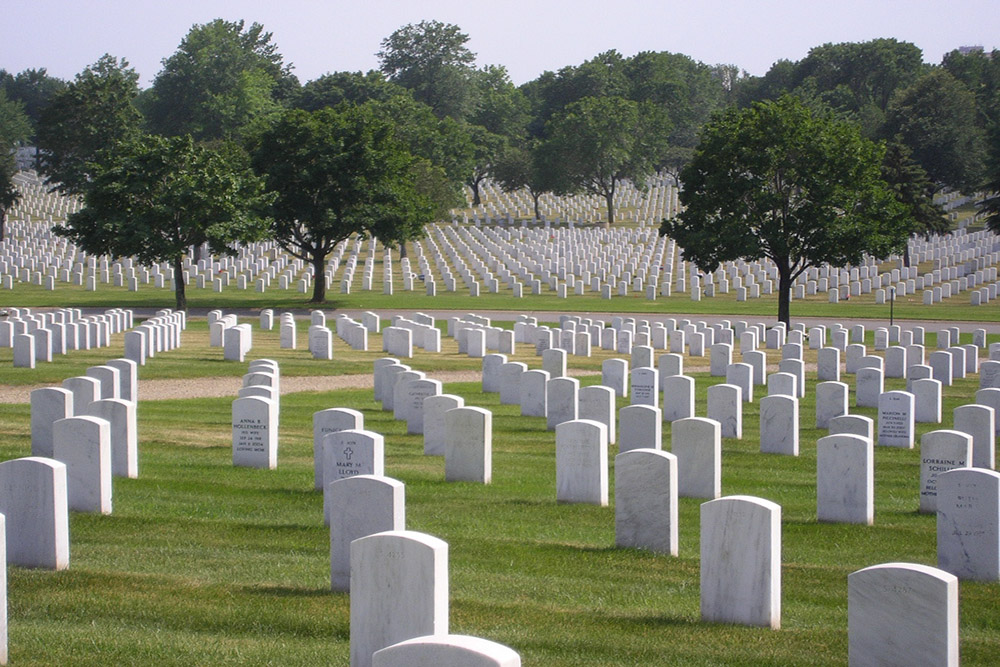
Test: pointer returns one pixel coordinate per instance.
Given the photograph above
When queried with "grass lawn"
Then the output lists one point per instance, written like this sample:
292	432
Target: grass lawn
205	563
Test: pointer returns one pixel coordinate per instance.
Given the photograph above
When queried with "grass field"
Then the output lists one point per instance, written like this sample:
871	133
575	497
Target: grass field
205	563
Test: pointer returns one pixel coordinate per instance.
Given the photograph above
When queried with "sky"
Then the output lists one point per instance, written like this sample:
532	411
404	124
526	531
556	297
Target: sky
528	38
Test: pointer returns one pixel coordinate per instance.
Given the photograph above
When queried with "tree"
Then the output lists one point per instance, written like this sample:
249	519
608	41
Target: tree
221	78
331	90
154	197
776	181
991	204
936	118
335	173
14	129
430	59
915	191
602	141
33	88
528	167
92	114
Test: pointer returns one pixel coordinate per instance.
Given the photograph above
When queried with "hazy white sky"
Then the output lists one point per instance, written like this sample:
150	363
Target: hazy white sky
527	37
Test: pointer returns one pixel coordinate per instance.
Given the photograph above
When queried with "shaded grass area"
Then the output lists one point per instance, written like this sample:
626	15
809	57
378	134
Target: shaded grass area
205	563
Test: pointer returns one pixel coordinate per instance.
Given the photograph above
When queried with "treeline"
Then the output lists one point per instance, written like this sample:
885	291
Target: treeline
447	123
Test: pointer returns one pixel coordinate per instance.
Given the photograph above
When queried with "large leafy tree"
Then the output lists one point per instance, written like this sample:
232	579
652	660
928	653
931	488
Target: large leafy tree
154	197
529	166
431	60
777	181
335	173
91	114
222	77
14	129
936	118
500	118
603	141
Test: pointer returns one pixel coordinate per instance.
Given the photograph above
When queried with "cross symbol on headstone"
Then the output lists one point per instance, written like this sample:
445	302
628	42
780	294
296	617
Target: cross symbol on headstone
348	452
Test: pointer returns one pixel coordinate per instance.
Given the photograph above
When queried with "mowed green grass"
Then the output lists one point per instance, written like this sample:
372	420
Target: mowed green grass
205	563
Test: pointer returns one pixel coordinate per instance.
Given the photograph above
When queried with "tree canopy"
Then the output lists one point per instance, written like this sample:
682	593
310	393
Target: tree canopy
154	197
431	60
599	142
335	173
33	88
776	181
90	115
222	77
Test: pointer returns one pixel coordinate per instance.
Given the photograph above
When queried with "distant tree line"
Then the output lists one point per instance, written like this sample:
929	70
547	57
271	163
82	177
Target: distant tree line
407	137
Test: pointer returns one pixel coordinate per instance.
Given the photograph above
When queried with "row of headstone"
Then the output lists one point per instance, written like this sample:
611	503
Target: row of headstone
256	416
160	333
42	336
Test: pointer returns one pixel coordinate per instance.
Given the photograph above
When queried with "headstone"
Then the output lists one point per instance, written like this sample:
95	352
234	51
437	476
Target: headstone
614	374
447	651
468	453
85	390
902	614
84	444
940	451
968	523
845	479
48	405
597	403
640	427
741	561
725	406
644	387
329	421
895	419
646	500
399	591
33	498
741	375
435	423
697	444
779	425
582	462
979	422
868	387
562	399
678	397
255	433
831	401
926	400
853	425
360	506
123	434
534	397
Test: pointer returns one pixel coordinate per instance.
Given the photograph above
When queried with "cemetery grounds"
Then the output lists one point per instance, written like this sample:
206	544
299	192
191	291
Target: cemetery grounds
204	563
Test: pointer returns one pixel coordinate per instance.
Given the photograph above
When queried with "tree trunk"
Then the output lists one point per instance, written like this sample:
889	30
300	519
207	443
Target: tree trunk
402	250
906	253
180	296
198	253
475	193
319	280
3	224
538	214
610	199
784	292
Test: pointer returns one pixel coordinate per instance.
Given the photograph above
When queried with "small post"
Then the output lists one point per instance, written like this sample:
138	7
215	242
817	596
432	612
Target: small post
892	301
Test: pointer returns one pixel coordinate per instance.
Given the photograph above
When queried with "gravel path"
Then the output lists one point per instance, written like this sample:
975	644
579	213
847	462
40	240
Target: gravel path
158	390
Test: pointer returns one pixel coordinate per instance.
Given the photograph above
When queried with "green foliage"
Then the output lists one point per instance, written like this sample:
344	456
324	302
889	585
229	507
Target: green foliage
601	141
221	79
33	88
936	118
777	181
980	72
90	115
430	59
154	197
991	205
14	129
530	166
913	190
331	90
335	173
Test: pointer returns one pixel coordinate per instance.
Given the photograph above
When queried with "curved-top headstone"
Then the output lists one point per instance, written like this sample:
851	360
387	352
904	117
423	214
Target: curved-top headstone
33	497
447	651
